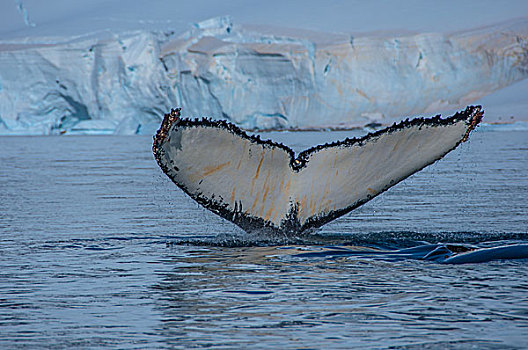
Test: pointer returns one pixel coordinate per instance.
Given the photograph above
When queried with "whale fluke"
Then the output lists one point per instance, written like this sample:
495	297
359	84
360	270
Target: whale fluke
260	184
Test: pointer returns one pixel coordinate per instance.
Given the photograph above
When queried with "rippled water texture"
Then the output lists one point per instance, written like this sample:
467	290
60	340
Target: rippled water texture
99	249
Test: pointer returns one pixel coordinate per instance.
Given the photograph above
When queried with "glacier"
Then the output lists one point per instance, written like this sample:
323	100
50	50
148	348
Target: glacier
258	77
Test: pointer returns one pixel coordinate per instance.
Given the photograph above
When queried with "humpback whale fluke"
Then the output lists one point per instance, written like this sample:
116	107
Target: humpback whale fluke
260	184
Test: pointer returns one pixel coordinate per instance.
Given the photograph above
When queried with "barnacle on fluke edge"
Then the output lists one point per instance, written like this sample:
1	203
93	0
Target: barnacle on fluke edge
260	184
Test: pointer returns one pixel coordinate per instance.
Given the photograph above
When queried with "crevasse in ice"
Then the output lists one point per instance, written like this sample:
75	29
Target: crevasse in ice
257	77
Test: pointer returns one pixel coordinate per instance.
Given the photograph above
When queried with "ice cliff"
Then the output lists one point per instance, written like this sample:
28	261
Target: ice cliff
256	77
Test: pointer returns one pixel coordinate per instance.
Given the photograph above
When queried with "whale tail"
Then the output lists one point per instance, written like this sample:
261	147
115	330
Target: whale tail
261	184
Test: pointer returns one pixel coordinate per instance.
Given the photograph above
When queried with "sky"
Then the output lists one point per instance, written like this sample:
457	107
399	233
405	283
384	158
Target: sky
67	17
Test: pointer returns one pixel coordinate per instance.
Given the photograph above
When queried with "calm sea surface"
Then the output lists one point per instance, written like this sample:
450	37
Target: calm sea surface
100	250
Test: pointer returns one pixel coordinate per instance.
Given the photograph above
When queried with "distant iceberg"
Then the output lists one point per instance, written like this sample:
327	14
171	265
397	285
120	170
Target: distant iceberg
517	126
257	77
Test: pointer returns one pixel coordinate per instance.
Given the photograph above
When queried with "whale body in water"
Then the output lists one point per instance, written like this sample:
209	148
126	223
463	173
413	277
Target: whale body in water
263	185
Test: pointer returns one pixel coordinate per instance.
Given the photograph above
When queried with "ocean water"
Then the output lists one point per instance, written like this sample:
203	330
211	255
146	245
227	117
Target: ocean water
100	250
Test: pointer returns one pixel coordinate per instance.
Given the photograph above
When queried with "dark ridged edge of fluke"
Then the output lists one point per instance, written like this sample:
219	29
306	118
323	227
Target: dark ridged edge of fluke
162	132
472	115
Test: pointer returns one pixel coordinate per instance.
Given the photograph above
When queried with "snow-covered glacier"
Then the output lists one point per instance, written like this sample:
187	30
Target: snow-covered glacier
257	77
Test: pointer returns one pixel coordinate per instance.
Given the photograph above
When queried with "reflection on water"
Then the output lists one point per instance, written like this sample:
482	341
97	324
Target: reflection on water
99	249
279	295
